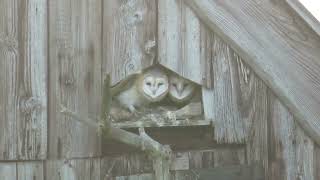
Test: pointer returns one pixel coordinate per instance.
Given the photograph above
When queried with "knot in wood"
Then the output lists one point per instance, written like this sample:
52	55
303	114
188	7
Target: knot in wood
67	80
29	105
9	42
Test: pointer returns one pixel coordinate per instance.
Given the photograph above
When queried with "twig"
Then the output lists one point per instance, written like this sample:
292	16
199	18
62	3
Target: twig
143	142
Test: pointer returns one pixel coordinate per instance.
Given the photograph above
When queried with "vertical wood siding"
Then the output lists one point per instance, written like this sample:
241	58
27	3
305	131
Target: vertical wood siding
129	37
75	75
22	170
179	39
30	171
316	162
237	101
8	171
291	152
23	79
80	169
87	39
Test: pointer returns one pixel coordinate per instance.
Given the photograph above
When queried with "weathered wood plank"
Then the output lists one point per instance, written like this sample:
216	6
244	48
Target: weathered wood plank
125	165
291	152
30	170
179	47
253	172
8	171
282	157
23	75
278	45
80	169
134	163
238	99
134	177
221	103
305	14
305	156
177	123
75	75
316	162
129	37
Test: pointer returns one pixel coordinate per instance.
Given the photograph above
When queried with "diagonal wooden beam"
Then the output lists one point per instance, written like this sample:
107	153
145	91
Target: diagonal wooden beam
280	46
305	15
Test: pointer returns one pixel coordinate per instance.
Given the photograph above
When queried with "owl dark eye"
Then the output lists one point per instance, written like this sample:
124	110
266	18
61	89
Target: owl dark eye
174	85
185	84
160	84
149	83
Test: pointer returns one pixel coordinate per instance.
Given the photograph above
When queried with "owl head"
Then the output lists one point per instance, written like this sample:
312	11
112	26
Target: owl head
155	84
180	89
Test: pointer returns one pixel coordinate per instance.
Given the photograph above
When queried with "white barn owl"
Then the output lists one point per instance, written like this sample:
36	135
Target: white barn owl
150	86
181	90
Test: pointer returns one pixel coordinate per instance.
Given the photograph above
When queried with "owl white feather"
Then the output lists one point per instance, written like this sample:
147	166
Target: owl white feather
150	86
180	90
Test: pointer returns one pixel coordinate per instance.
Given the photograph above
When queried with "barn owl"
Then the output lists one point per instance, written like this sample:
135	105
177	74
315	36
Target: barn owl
150	86
181	90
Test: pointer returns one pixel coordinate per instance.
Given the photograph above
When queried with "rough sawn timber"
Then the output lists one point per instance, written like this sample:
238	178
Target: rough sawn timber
23	75
305	14
280	47
129	37
237	103
75	41
179	47
292	154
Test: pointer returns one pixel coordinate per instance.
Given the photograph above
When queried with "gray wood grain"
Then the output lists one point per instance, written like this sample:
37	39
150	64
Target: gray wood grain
129	37
221	102
80	169
30	170
291	152
316	162
8	171
134	177
134	163
23	75
75	76
280	47
179	47
238	100
312	21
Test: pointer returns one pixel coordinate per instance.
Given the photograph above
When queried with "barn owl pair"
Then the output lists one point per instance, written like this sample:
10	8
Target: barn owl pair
152	86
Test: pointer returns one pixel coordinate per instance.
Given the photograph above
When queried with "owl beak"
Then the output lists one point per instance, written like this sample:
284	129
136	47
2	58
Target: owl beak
154	91
180	89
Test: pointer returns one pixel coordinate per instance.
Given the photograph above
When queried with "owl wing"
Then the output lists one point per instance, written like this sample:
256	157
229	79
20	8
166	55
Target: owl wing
123	85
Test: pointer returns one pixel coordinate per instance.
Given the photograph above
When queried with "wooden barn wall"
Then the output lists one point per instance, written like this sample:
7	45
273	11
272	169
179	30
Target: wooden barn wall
129	37
23	79
74	76
179	47
57	53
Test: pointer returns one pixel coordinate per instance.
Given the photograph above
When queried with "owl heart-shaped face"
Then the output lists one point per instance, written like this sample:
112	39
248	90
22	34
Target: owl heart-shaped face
155	87
180	89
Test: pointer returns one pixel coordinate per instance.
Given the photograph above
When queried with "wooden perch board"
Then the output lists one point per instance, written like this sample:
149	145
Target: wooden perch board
280	47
